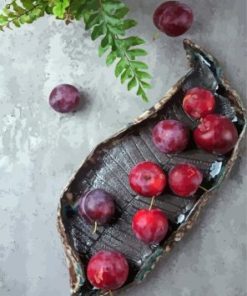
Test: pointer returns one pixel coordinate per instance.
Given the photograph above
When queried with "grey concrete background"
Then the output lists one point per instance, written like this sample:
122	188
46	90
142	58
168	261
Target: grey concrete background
40	149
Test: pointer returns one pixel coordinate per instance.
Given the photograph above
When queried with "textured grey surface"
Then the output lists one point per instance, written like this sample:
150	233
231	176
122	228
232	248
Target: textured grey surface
40	149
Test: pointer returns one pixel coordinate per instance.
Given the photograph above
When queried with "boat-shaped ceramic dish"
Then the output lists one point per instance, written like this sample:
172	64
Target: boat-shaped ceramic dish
108	166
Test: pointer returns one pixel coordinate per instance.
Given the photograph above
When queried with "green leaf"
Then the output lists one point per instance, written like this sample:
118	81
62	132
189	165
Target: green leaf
27	4
132	41
127	24
36	12
142	94
48	9
18	8
120	67
25	19
9	13
116	30
93	20
60	7
111	20
111	58
120	13
133	53
98	31
144	75
102	50
112	7
93	5
16	22
77	8
132	83
146	85
105	41
3	20
126	74
139	65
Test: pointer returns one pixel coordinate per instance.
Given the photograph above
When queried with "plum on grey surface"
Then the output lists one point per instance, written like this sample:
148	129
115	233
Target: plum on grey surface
173	18
65	98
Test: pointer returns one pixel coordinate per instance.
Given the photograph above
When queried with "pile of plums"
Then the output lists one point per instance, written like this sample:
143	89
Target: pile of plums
108	270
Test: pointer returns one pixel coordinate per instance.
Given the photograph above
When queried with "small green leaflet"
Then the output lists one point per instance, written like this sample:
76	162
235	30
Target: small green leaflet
60	7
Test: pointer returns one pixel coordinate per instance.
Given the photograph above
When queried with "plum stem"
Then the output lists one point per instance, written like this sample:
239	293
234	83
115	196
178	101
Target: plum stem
95	227
110	293
152	203
203	188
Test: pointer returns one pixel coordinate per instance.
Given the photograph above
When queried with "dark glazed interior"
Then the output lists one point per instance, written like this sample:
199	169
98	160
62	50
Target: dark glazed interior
109	166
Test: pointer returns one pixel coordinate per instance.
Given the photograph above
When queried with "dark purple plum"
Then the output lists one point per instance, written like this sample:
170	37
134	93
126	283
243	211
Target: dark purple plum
97	206
170	136
64	98
173	18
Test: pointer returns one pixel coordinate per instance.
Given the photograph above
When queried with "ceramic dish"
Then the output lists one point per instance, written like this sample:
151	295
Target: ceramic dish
108	166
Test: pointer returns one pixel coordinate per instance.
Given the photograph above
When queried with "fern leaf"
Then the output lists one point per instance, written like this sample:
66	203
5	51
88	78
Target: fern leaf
21	12
106	19
60	7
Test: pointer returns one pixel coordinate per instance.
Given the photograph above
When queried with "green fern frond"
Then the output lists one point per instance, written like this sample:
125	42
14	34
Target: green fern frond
60	8
21	12
106	20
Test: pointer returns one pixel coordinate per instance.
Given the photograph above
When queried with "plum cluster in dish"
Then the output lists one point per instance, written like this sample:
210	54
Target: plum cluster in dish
108	270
